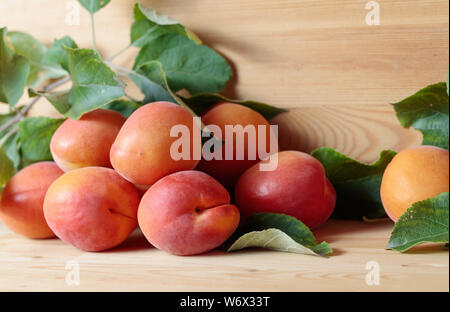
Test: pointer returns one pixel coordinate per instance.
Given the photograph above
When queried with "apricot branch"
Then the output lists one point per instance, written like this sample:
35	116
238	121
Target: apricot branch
22	113
112	57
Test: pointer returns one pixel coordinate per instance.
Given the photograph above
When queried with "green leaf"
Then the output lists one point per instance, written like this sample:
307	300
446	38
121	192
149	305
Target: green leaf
57	55
12	149
35	52
427	111
357	184
277	232
148	25
35	136
4	118
94	5
32	49
162	92
14	71
199	103
125	107
151	80
425	221
12	145
94	83
6	167
26	45
187	65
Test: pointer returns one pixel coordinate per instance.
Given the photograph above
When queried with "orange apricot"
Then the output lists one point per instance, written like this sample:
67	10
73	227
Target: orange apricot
229	115
92	208
86	142
142	152
187	213
21	203
415	174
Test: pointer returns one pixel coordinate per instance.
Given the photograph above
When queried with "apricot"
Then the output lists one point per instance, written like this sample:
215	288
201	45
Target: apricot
141	152
221	115
92	208
414	175
298	187
187	213
86	142
21	203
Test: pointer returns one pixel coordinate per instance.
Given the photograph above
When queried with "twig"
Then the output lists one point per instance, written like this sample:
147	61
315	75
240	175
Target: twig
94	43
22	113
57	83
118	53
120	68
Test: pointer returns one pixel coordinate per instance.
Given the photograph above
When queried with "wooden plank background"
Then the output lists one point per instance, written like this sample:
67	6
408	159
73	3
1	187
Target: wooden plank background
318	58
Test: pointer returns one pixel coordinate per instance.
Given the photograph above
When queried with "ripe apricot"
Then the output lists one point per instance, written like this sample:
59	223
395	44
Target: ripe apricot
141	152
298	187
414	175
229	114
187	213
92	208
21	203
87	141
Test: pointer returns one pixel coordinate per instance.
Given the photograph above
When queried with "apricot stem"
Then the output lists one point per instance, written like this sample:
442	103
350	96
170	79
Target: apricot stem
94	43
57	83
120	68
112	57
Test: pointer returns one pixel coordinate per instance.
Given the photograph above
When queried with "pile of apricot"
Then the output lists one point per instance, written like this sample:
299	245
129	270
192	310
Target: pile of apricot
111	175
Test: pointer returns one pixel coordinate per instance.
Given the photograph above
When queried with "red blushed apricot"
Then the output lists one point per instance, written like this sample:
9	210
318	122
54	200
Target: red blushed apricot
21	203
92	208
414	175
142	150
298	187
225	171
86	142
187	213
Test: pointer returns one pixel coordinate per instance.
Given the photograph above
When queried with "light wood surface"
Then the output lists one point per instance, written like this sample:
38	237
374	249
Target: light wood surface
315	57
44	265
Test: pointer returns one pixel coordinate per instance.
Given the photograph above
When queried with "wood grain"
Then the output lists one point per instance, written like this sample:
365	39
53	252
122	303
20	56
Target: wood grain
27	265
318	54
362	132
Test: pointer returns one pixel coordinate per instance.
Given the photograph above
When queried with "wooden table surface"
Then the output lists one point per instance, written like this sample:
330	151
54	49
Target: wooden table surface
335	73
45	265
